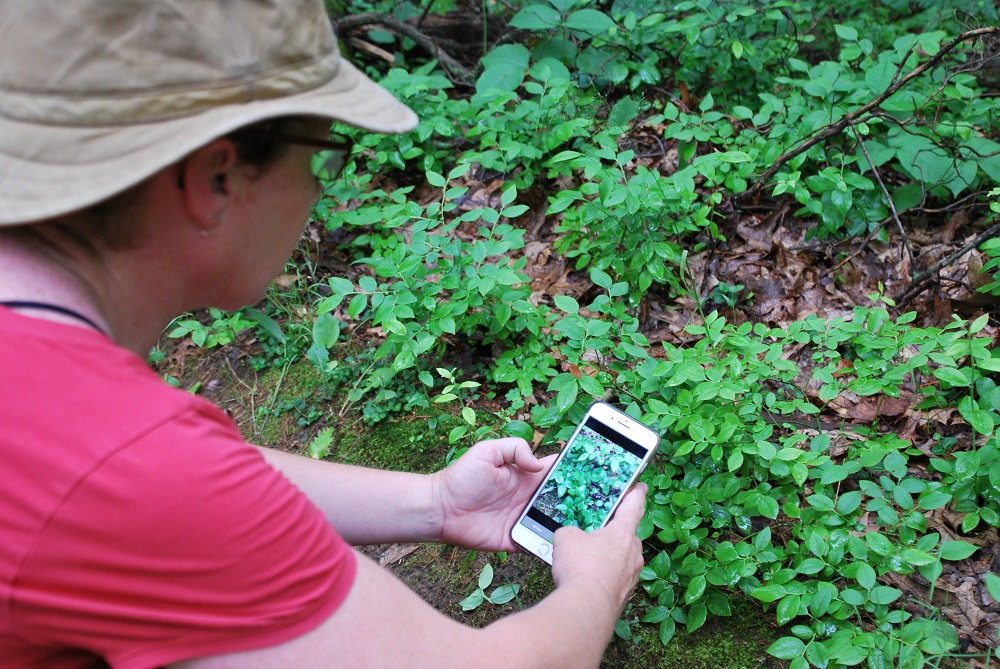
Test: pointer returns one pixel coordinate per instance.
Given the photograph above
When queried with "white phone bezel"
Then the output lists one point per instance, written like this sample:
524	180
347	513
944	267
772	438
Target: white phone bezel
621	423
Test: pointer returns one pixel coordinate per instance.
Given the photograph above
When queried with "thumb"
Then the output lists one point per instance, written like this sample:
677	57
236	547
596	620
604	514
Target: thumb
632	507
510	451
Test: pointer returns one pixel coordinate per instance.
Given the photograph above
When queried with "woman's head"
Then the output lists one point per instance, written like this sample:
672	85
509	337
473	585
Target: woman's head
98	95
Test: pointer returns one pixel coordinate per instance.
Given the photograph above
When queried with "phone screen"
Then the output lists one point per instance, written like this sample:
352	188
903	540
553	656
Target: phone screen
587	483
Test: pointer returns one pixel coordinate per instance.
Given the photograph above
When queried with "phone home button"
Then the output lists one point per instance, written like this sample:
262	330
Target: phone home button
543	549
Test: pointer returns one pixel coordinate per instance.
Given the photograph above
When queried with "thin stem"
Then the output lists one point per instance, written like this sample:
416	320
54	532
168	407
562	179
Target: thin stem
888	197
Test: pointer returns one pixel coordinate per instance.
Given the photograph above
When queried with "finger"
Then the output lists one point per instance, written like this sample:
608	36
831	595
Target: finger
525	459
632	507
548	461
513	451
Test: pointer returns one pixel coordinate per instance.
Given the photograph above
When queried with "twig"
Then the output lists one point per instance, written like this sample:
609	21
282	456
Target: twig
850	118
864	244
452	66
919	280
251	392
888	197
274	400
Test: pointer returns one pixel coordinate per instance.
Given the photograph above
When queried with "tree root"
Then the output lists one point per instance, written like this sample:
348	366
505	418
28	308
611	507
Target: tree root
455	70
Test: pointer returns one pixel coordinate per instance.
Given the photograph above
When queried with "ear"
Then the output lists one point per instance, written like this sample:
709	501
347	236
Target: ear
206	177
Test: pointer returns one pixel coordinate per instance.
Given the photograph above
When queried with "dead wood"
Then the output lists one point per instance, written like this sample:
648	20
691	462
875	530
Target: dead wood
455	69
920	280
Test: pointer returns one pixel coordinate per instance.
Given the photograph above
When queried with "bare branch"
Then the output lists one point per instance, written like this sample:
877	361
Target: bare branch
452	66
917	284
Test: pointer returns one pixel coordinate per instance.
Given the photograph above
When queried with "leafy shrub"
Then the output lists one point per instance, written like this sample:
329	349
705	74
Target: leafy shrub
744	494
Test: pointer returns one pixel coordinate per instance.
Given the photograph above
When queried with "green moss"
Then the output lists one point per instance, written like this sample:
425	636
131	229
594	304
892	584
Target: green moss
415	444
288	396
735	642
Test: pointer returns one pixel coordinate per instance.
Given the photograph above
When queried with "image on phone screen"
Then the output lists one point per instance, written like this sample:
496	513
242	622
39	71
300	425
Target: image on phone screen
587	483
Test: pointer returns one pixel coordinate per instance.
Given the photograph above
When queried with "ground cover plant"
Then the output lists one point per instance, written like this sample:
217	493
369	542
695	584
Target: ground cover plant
766	230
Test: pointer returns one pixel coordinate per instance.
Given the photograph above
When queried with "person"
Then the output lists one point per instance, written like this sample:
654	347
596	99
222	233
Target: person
155	157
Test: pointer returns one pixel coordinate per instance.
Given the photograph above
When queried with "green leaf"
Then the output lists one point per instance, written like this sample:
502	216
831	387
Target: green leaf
501	77
667	629
966	465
993	586
326	330
916	557
952	376
696	617
865	575
601	278
504	593
787	609
486	576
358	304
956	550
820	502
567	304
268	324
878	543
319	447
846	33
884	595
589	22
566	398
787	648
695	589
536	17
810	566
436	180
473	601
849	502
622	114
469	415
934	499
657	614
515	54
767	507
518	428
853	597
769	593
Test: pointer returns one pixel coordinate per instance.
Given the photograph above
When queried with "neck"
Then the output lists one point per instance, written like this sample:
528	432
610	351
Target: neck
49	263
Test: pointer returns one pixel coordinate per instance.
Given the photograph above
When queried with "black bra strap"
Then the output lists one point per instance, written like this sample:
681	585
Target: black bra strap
45	306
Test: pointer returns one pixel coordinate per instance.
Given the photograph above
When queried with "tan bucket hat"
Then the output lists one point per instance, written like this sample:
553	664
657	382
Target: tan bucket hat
97	95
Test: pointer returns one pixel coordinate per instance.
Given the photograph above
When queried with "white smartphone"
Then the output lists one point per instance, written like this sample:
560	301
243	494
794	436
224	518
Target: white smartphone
600	462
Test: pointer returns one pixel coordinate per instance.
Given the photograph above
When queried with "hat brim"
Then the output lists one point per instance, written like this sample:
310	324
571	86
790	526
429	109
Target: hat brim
58	169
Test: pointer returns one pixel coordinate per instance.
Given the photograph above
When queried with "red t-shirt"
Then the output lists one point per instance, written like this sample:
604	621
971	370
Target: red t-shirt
137	528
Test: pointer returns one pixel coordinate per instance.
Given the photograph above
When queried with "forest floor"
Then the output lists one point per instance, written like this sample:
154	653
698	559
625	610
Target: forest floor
783	276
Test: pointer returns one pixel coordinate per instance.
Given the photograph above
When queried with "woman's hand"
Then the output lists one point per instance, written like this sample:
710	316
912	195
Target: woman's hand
610	557
481	494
